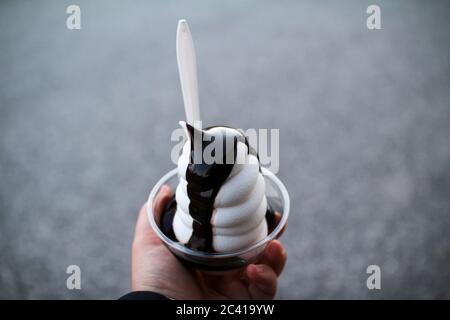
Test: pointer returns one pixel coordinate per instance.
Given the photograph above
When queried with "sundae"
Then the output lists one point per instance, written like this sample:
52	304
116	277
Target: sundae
221	206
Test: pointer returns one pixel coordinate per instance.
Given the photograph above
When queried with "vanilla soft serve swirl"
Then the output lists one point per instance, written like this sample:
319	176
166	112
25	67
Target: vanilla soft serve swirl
220	207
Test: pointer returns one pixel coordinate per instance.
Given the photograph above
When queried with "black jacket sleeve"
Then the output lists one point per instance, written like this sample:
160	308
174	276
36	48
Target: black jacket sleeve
143	295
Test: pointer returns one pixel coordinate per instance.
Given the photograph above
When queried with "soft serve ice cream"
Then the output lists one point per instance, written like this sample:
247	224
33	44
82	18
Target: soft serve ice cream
220	206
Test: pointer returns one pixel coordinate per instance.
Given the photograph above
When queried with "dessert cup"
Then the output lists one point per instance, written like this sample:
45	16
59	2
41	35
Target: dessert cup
278	198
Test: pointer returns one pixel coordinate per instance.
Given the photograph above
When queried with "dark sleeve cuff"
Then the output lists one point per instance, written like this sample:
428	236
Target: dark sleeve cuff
143	295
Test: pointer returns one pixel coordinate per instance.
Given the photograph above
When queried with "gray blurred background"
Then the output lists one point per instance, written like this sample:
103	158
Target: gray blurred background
364	119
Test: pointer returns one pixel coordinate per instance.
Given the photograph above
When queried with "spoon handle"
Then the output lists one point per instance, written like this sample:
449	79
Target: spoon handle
187	68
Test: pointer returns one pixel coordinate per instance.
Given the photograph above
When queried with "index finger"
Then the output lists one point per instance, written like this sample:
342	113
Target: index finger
143	228
275	256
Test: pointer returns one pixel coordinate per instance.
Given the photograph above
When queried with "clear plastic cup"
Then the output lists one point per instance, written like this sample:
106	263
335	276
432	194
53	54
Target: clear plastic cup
278	198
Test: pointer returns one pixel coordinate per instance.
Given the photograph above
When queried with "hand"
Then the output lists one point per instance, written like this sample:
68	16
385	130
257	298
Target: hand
154	268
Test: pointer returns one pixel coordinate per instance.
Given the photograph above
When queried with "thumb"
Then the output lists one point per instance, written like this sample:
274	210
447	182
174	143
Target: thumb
144	233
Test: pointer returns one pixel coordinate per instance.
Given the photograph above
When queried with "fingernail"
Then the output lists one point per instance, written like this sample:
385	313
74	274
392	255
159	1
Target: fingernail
259	269
272	248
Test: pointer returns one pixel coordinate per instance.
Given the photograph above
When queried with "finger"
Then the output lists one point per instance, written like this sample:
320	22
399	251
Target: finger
164	195
143	230
277	221
262	282
215	280
277	217
275	256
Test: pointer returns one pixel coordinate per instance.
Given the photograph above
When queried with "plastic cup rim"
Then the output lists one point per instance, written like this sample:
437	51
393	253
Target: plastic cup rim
179	247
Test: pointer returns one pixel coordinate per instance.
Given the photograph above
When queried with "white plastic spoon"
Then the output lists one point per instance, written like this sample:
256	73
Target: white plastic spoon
187	68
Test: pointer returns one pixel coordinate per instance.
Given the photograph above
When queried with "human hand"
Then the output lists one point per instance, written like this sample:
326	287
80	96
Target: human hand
155	268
